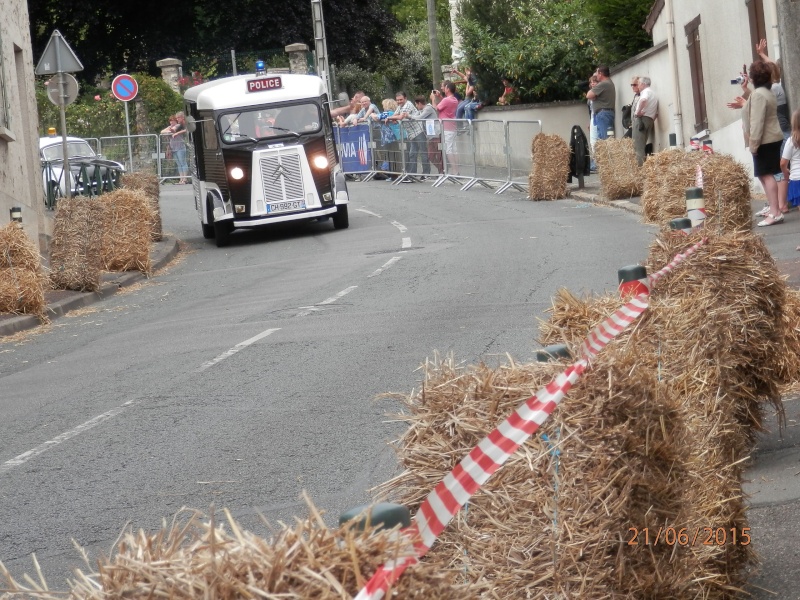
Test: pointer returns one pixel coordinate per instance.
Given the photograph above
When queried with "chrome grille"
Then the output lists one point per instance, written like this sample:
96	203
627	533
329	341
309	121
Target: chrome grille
282	177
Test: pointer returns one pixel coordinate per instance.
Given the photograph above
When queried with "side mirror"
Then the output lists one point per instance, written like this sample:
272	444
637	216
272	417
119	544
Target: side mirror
191	124
343	98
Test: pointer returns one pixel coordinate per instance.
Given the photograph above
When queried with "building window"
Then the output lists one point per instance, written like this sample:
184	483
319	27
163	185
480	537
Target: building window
758	26
696	67
5	109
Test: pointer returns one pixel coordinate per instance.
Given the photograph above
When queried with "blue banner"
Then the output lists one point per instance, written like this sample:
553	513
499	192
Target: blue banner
353	146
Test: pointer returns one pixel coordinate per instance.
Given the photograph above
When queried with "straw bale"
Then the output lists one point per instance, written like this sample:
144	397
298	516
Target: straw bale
22	292
126	231
790	359
620	175
726	188
17	250
550	168
148	183
572	318
554	525
200	559
654	435
75	248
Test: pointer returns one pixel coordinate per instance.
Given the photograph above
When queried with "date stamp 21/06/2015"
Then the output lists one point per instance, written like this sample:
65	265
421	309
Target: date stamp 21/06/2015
684	536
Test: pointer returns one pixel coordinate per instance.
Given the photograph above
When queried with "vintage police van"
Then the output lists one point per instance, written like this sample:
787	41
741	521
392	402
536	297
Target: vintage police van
264	153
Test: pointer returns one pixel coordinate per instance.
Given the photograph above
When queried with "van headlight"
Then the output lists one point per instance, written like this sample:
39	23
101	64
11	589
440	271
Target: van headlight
237	173
320	162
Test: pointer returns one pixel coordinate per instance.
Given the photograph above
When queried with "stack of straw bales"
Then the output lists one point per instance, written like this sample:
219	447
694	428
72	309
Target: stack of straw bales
550	168
22	280
75	249
653	436
198	559
726	188
126	231
148	183
620	175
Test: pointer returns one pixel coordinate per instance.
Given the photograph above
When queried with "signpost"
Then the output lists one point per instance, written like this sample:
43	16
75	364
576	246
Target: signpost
59	59
55	93
125	88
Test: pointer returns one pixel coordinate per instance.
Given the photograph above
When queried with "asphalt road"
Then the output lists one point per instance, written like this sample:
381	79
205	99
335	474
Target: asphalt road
242	376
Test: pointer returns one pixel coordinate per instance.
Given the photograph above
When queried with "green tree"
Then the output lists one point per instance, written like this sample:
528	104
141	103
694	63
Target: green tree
409	12
546	47
620	33
110	37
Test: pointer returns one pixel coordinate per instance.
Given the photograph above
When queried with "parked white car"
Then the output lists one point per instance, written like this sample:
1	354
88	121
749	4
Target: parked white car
81	154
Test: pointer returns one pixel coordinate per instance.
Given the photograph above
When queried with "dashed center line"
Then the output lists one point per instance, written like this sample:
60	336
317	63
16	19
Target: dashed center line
400	226
388	264
236	348
26	456
310	309
369	212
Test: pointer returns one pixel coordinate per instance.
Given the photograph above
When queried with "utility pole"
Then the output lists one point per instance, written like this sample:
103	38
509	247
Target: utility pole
433	38
320	45
789	28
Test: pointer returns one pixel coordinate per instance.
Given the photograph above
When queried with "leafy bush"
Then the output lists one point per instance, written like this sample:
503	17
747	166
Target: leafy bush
96	113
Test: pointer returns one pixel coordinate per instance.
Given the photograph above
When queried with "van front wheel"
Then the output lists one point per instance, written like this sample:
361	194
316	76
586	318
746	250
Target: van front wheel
208	231
340	218
222	233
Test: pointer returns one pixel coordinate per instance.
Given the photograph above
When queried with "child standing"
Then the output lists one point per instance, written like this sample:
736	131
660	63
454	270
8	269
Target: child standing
791	155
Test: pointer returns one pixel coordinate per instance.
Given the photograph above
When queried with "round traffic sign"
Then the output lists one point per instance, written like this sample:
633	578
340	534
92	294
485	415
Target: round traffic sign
53	88
124	87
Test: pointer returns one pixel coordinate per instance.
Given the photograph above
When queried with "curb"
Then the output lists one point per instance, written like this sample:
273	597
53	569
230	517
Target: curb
163	252
600	200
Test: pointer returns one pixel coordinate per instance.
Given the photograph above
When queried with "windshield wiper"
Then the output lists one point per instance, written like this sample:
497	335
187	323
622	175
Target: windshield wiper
294	133
242	135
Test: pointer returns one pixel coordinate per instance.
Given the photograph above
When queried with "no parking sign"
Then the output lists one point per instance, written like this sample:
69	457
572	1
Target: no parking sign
124	87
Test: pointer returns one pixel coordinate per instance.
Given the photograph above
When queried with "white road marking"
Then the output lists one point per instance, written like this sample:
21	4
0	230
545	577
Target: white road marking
406	243
388	264
333	299
316	307
236	348
26	456
401	227
369	212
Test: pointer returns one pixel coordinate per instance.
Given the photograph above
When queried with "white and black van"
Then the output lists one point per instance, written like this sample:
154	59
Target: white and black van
264	153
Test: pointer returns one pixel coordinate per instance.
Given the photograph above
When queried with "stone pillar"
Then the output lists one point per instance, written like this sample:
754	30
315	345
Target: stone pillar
298	61
171	72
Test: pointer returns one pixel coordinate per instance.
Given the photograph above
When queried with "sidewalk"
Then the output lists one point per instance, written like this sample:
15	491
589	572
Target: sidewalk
60	302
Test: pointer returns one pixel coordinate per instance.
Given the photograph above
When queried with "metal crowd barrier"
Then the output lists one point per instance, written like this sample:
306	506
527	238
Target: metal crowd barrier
138	152
150	153
494	154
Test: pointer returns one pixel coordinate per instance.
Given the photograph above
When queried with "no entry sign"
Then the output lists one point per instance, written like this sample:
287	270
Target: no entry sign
124	87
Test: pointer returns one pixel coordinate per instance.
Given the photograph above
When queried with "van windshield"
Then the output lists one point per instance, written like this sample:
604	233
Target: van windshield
264	123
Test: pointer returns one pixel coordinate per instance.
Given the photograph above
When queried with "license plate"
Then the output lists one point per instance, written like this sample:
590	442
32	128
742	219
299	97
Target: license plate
288	205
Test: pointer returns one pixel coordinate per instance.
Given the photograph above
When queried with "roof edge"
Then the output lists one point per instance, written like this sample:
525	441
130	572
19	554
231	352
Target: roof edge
652	17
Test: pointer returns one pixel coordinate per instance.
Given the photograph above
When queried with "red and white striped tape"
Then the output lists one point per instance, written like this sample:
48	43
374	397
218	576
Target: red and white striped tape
453	492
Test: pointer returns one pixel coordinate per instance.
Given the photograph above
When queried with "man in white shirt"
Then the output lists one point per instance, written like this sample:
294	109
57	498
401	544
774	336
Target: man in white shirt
645	114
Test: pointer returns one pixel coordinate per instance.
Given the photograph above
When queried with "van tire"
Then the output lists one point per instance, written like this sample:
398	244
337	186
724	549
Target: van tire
208	231
222	233
340	218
